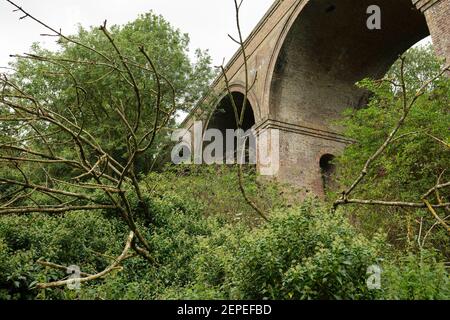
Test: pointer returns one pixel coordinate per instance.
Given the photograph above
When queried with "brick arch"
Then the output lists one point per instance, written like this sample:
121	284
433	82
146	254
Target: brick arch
238	87
325	47
223	115
306	56
223	119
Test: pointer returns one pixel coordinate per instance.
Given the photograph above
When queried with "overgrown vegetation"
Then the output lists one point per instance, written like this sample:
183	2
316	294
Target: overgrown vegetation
304	252
415	161
197	237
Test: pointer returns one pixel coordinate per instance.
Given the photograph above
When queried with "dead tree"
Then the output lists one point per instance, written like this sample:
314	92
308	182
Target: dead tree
92	170
239	113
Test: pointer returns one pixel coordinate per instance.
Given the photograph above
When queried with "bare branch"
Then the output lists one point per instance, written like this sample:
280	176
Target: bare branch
407	106
123	256
438	218
54	210
390	203
59	267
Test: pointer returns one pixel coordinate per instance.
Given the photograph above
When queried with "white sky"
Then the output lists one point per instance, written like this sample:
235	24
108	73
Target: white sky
208	22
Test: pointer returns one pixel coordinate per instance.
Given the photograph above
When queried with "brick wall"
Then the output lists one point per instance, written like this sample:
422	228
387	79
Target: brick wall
437	13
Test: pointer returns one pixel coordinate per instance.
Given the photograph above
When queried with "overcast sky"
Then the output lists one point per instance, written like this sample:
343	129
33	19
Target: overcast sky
206	21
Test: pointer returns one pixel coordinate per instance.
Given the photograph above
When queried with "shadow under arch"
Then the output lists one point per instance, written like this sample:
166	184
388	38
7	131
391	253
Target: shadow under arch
327	47
324	49
223	118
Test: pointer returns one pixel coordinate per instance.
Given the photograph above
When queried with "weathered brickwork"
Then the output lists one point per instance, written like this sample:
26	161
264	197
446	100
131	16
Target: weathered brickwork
424	5
307	55
437	13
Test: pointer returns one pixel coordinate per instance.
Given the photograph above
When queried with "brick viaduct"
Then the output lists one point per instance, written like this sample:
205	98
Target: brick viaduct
307	55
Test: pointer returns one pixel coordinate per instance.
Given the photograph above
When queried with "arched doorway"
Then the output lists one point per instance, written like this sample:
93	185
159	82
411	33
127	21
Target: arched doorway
223	119
328	170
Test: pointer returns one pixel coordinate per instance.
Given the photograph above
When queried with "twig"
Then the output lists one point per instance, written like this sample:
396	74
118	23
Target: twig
390	203
406	109
59	267
124	255
438	218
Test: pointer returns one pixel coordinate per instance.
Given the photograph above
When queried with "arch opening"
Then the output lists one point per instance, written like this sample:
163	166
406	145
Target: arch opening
329	48
224	120
328	170
326	49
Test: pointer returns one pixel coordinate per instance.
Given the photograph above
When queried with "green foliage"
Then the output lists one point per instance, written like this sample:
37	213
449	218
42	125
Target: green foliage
81	83
411	165
76	239
216	189
416	277
176	229
421	66
302	253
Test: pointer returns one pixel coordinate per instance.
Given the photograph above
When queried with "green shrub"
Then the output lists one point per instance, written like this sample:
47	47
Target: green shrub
305	253
176	230
416	277
79	238
215	191
302	253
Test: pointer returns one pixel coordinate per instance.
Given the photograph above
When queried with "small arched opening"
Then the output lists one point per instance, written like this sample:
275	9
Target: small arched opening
328	170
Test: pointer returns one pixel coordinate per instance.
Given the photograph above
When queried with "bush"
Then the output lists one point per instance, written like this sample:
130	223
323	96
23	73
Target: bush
302	253
215	191
176	229
416	277
77	238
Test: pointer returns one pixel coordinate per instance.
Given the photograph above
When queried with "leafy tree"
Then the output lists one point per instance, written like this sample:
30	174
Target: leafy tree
99	89
414	161
83	121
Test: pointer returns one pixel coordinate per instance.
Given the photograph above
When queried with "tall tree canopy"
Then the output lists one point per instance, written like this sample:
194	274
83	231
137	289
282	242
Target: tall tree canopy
77	78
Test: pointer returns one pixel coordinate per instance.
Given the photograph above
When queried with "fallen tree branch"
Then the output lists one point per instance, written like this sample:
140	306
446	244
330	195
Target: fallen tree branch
391	203
436	188
123	256
59	267
54	209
